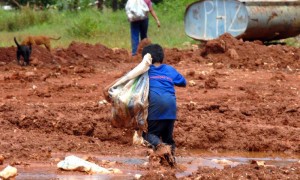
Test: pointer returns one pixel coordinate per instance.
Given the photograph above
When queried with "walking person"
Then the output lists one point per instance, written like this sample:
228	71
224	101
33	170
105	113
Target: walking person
139	26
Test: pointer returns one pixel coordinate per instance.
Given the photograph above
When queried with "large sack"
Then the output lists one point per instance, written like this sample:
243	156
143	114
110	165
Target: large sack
129	96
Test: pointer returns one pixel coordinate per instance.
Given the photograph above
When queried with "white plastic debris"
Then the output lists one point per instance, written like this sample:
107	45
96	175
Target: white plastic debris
8	172
259	163
192	83
102	102
73	163
224	162
137	140
137	176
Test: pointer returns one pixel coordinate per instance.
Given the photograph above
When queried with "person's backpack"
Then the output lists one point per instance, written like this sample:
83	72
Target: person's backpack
136	10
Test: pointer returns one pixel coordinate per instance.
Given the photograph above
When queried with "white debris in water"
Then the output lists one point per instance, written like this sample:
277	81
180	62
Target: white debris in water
74	163
224	162
137	176
259	163
8	172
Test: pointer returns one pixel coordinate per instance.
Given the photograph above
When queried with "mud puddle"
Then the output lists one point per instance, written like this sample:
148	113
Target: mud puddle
50	172
130	165
275	159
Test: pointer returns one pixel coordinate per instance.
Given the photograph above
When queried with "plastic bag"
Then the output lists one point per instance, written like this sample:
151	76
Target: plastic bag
129	97
136	10
73	163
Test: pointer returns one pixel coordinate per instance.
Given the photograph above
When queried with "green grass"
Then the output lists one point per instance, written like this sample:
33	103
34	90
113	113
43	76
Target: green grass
91	26
293	41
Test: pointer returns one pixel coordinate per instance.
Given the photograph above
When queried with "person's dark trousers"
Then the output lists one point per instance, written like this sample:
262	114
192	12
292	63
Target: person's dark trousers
138	30
160	128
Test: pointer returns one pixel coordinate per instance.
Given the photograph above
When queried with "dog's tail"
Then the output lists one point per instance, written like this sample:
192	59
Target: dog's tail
54	38
16	42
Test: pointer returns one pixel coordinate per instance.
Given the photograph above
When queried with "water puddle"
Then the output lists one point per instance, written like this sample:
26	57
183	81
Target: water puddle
276	159
130	165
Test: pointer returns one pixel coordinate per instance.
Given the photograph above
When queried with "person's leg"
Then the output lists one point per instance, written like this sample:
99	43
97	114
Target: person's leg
167	138
144	28
153	134
156	130
135	31
167	134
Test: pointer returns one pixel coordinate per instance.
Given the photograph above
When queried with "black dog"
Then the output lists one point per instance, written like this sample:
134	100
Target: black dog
23	51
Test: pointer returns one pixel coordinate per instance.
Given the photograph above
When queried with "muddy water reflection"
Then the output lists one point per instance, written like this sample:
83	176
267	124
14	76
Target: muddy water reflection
209	159
277	159
192	162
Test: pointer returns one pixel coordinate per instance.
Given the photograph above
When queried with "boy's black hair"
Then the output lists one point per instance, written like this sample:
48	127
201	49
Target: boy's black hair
156	51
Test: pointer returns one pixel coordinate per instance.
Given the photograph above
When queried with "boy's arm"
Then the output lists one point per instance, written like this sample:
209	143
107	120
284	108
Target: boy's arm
179	80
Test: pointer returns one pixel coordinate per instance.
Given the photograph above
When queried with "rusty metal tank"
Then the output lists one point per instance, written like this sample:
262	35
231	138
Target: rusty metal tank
247	19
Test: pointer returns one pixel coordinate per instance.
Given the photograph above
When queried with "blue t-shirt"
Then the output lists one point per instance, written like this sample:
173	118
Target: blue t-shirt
162	99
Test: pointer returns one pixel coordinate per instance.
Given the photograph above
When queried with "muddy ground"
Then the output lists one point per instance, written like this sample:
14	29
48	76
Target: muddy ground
241	97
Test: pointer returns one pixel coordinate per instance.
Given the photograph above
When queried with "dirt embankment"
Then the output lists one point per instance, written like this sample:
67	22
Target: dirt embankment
241	96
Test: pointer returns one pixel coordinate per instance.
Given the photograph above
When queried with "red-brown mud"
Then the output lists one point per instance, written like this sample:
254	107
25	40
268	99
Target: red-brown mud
242	96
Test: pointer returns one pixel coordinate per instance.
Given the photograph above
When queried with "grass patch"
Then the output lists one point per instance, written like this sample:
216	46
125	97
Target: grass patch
19	20
295	41
84	25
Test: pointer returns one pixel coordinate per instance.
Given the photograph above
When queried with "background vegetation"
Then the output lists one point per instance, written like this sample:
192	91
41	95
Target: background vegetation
85	21
92	25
